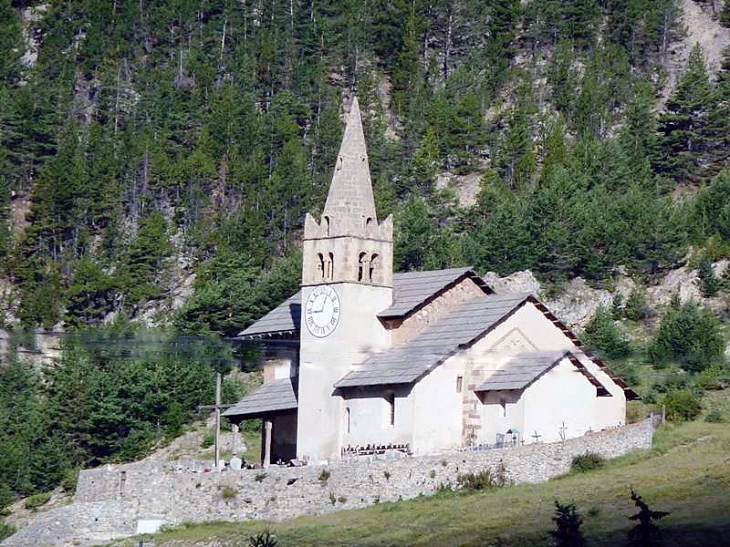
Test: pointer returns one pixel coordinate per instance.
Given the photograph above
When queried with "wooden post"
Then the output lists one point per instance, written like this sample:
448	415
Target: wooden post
217	420
268	426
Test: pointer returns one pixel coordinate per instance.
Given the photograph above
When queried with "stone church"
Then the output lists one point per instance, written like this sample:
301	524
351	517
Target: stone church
363	360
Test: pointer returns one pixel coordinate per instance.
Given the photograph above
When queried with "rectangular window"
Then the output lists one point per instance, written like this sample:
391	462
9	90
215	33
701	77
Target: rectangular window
390	397
459	383
502	408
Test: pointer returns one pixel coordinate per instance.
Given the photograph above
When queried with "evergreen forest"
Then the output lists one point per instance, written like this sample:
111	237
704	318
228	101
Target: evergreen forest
144	141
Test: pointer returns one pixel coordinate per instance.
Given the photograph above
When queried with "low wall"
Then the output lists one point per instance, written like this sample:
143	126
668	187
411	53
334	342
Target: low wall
110	500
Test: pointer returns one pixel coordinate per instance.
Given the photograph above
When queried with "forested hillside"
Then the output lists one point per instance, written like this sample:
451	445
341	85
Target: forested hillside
154	140
157	160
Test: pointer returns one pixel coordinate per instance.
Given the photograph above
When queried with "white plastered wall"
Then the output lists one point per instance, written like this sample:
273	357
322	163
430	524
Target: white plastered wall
563	394
324	361
370	417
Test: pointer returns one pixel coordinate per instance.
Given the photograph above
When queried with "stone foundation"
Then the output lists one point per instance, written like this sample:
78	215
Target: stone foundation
110	500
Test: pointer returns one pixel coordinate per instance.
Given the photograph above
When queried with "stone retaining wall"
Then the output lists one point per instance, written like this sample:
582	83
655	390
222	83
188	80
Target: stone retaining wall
110	500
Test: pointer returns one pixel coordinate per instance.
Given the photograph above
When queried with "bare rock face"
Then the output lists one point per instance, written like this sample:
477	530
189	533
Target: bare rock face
517	282
577	302
682	282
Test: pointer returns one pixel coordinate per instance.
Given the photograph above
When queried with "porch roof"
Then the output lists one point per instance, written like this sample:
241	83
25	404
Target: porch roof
275	397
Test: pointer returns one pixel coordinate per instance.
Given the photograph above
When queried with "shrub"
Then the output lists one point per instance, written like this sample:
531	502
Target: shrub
228	492
432	474
70	480
342	499
567	521
709	283
6	530
689	335
483	480
386	474
714	417
324	476
636	308
37	500
333	498
587	462
208	439
263	539
6	496
682	405
259	477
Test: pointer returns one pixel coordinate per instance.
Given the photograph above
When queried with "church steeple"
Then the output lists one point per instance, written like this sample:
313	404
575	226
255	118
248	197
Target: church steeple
350	201
348	244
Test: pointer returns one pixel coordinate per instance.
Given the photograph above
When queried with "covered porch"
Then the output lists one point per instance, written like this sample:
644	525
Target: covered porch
275	403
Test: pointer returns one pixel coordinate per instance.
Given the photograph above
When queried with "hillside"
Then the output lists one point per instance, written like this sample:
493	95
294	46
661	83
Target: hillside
686	473
157	160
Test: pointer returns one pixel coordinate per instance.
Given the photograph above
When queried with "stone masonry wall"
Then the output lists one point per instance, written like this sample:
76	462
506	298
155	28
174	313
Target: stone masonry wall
110	500
464	290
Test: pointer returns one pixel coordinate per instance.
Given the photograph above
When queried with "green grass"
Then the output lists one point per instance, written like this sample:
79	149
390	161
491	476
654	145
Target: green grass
687	473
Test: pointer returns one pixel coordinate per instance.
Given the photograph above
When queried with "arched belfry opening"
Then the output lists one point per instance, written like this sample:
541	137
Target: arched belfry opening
320	265
361	266
331	273
369	226
374	268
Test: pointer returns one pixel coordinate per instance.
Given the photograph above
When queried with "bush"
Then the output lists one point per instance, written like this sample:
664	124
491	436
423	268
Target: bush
636	308
481	481
714	416
689	335
263	539
34	502
6	496
587	462
70	480
6	530
260	477
682	405
208	439
228	492
324	476
709	283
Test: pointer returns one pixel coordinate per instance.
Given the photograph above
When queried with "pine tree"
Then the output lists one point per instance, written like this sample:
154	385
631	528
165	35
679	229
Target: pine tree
567	521
517	151
646	533
688	129
709	283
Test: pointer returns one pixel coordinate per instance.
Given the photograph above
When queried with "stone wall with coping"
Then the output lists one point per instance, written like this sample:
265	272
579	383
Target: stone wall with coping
110	500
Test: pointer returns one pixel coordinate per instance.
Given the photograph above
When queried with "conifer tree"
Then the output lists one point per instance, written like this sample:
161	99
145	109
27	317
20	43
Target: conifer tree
709	283
688	129
568	521
646	533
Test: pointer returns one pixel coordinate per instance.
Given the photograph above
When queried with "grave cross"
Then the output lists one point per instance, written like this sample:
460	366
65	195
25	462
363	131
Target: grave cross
562	429
217	406
536	436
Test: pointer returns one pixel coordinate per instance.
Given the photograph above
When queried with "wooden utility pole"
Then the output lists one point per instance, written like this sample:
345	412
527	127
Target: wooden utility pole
217	407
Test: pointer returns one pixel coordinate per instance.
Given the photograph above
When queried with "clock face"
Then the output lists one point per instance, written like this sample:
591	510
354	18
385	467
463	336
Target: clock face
322	311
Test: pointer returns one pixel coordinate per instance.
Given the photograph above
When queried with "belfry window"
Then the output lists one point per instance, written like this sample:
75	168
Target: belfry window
320	263
368	226
327	226
374	265
331	273
361	264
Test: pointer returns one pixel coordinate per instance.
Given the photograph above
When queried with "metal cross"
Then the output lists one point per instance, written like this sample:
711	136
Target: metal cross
536	436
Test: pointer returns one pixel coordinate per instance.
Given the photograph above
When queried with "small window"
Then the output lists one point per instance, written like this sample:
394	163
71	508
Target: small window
502	408
390	398
459	383
347	419
368	226
332	266
326	226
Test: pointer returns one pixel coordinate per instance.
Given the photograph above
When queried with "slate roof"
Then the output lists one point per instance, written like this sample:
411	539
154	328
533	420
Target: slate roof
458	328
275	396
283	319
410	291
520	371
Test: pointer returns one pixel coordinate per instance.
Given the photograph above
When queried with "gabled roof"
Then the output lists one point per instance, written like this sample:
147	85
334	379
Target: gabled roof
457	329
272	397
524	369
411	291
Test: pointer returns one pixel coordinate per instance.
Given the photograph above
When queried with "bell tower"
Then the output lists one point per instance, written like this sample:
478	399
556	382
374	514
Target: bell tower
347	279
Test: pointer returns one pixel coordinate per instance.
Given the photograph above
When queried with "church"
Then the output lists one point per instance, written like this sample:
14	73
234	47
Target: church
364	361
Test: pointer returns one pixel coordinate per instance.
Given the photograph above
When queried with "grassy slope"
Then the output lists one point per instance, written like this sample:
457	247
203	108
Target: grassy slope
687	473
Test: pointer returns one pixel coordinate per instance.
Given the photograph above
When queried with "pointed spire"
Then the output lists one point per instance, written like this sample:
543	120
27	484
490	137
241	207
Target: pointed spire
350	201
